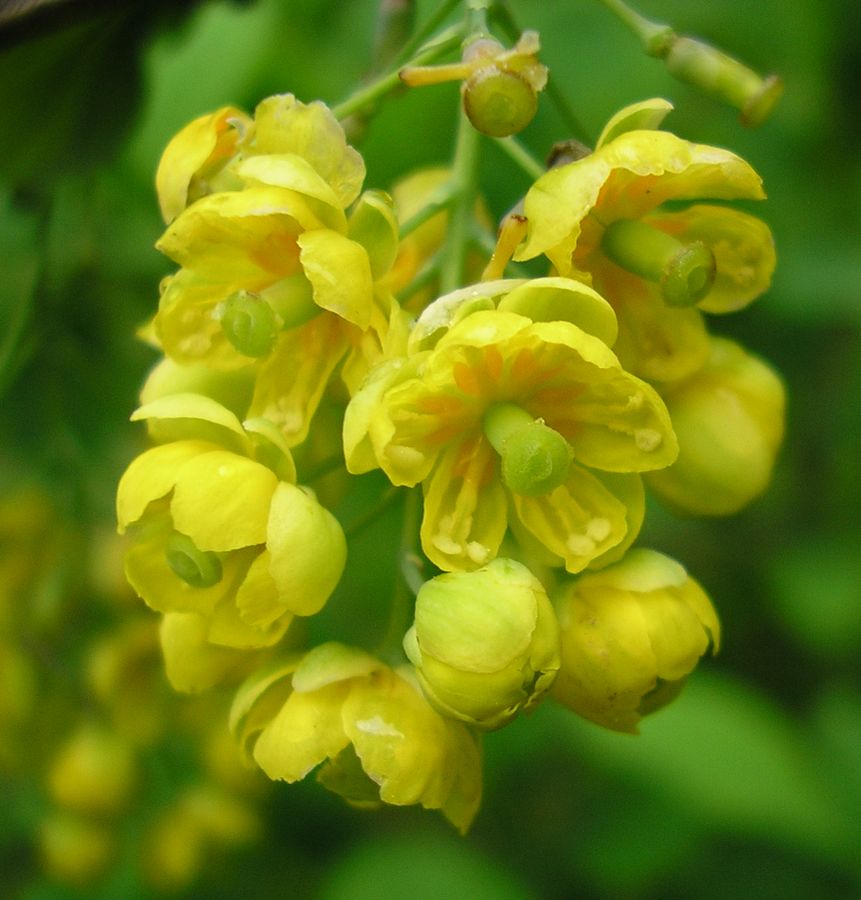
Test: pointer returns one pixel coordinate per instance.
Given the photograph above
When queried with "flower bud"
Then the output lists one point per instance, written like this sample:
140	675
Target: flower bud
94	772
485	644
729	419
630	635
500	97
75	850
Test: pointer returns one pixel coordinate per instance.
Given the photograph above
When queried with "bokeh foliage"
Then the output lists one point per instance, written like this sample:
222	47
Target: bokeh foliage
749	785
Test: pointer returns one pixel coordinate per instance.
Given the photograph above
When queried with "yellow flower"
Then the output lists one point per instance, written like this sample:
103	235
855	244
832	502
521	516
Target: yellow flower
376	736
631	634
222	530
485	644
729	419
93	773
506	420
303	146
599	219
196	156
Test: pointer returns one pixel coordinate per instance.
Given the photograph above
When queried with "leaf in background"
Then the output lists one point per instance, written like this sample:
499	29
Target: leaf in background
730	758
70	82
421	867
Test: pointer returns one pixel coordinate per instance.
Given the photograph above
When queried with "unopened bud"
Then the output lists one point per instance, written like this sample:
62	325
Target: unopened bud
485	644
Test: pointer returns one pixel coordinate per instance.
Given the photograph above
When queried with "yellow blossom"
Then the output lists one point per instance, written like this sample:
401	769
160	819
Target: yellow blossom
729	419
599	219
510	420
226	533
485	644
376	736
631	634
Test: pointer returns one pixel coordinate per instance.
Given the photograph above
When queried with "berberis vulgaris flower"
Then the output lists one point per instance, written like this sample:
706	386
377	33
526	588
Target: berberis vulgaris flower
510	421
369	728
222	530
599	219
485	644
270	267
631	634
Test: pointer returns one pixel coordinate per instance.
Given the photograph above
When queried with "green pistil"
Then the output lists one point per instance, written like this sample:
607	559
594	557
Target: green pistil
535	458
684	272
249	324
198	568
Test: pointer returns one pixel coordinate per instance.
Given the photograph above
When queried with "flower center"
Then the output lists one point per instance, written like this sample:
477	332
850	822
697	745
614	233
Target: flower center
535	458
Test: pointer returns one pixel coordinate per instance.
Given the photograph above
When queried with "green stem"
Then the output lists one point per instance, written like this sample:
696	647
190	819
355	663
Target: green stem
503	15
422	34
520	155
464	187
652	35
370	94
439	201
390	648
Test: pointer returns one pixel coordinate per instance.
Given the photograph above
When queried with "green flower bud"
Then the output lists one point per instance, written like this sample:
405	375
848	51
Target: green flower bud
729	419
630	635
485	644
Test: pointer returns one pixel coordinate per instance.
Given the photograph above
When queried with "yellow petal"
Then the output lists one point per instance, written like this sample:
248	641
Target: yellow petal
465	508
306	547
240	235
206	141
192	664
152	475
292	172
646	115
221	500
181	416
400	740
578	521
284	125
340	273
307	730
291	381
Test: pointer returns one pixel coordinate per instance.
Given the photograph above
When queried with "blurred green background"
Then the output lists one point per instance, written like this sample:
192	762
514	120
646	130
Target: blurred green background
750	784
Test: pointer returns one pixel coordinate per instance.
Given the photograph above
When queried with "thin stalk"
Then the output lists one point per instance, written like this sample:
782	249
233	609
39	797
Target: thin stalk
520	155
652	35
422	33
390	647
385	84
464	185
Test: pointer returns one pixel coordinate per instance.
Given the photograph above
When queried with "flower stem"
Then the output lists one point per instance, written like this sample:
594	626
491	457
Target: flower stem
653	35
520	155
385	84
400	613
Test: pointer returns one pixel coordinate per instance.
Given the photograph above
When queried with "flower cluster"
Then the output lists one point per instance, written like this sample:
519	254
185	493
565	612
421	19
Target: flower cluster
89	745
303	350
